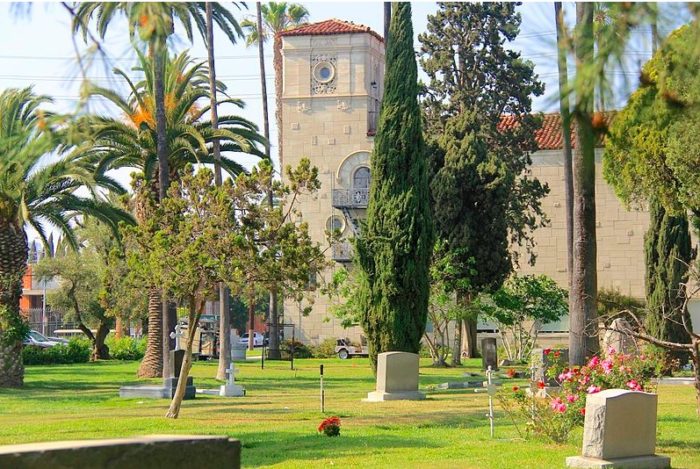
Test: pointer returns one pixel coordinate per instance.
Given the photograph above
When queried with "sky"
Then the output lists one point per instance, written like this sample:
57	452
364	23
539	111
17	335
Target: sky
37	48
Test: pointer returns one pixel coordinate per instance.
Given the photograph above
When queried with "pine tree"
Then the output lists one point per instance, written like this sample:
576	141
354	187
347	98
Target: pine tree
395	244
668	254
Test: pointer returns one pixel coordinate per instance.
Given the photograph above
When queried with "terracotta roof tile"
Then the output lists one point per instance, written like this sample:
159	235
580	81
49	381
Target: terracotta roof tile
549	136
328	27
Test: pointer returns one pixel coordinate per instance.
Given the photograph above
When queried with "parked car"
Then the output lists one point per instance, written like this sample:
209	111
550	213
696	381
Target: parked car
258	339
37	339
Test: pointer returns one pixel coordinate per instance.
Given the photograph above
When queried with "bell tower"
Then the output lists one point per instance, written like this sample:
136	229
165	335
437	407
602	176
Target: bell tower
333	79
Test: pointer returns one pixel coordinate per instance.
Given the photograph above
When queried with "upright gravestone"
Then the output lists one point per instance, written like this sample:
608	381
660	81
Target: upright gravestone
170	382
231	389
618	339
397	378
489	353
619	431
543	359
238	350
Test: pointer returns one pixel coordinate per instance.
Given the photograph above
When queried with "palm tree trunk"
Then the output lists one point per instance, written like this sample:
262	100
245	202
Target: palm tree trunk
583	329
277	65
274	350
152	364
566	135
224	319
14	251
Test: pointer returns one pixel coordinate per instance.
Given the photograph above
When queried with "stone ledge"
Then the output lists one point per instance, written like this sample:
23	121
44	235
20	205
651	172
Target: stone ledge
379	396
155	451
636	462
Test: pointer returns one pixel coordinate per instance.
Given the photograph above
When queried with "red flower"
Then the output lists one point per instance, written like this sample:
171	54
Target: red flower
582	411
546	351
557	354
540	384
516	388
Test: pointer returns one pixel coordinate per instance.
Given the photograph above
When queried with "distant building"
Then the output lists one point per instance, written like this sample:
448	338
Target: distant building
34	290
333	78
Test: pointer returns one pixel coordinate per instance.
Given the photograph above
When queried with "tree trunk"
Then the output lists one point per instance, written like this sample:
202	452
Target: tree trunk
469	337
251	322
457	344
277	64
224	333
167	344
100	351
152	364
14	251
195	312
161	123
274	346
583	329
566	135
695	357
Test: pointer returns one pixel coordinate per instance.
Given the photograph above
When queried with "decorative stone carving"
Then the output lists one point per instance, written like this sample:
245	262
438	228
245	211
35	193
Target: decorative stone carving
323	74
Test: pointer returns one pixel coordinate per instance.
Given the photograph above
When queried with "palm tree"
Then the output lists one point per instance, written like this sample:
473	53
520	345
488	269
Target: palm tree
117	143
154	23
562	54
36	195
277	17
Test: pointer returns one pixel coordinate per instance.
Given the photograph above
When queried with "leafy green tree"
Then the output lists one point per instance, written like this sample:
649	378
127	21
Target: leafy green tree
80	276
131	142
37	194
394	247
460	67
520	307
642	163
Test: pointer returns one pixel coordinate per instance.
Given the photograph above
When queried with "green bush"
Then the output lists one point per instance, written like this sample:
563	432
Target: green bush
300	350
325	349
126	348
76	351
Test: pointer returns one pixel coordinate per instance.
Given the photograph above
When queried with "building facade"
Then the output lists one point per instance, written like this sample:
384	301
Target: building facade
333	81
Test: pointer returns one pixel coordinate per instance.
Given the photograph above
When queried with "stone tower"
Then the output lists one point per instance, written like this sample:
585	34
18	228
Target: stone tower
333	77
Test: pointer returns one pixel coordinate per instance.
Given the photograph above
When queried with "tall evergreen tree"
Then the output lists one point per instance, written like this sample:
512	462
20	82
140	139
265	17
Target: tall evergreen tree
668	251
472	72
395	245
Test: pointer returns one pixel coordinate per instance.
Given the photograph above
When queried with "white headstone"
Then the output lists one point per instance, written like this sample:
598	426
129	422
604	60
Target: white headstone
397	377
618	338
231	389
619	431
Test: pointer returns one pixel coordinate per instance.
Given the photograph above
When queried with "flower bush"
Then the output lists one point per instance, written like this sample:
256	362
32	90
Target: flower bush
330	426
553	414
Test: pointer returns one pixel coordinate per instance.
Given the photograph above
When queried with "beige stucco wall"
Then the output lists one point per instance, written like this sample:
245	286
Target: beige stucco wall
331	128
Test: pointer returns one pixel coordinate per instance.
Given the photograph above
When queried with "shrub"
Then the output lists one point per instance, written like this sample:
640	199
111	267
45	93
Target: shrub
76	351
553	416
126	348
325	349
301	350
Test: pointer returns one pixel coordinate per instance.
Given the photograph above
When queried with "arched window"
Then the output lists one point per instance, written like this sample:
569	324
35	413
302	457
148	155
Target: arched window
360	180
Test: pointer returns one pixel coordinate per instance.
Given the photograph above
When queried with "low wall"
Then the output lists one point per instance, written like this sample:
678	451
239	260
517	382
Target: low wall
158	451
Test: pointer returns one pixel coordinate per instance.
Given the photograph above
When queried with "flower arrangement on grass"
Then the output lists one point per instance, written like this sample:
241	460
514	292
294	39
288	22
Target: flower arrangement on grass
330	426
554	414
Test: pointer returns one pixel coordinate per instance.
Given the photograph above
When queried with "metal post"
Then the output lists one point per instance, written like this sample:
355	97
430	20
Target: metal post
293	340
262	360
322	393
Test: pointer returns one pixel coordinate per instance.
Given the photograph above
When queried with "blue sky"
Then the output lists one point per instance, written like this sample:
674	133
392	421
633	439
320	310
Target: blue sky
38	49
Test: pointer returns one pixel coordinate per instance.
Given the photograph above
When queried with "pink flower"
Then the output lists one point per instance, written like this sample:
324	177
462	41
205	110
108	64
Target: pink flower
593	389
611	351
558	406
572	398
607	366
634	385
642	357
625	369
568	375
593	362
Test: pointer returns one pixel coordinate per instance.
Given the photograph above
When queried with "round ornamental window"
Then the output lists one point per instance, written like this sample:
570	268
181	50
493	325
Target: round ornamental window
335	223
324	72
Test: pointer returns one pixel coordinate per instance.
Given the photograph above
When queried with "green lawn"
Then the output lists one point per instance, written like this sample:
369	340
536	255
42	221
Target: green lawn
277	420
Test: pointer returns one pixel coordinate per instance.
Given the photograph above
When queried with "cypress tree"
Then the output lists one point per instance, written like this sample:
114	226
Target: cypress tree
668	252
394	248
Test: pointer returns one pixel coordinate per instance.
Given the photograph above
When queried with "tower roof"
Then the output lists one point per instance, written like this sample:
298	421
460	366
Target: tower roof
330	27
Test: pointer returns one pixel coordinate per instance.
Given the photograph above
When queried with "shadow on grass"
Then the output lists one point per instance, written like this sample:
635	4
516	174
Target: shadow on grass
293	446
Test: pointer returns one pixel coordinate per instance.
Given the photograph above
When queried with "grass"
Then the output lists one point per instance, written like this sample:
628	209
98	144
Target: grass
277	420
